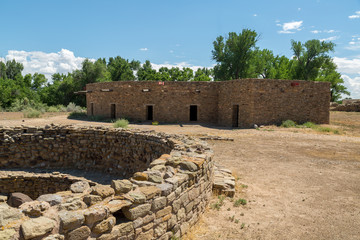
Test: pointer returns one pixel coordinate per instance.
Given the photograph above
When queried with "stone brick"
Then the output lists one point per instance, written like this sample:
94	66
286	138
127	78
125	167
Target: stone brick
163	212
71	220
81	233
37	227
134	212
158	203
121	186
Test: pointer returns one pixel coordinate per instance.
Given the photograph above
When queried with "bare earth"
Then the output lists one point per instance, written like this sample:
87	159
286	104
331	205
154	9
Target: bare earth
298	183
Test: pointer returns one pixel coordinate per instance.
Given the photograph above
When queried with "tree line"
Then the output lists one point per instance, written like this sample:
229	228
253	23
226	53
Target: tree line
236	55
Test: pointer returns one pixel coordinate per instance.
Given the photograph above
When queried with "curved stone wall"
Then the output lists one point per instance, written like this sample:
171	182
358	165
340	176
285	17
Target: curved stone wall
169	188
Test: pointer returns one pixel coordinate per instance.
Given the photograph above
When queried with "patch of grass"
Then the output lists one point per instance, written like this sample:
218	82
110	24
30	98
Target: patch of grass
237	221
219	203
242	226
52	109
155	123
244	186
239	202
320	128
31	113
121	123
288	124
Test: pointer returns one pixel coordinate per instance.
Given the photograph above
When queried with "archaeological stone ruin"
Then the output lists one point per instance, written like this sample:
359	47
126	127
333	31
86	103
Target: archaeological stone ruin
236	103
160	184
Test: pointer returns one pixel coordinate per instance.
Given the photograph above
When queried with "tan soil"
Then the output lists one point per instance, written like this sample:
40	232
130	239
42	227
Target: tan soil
301	184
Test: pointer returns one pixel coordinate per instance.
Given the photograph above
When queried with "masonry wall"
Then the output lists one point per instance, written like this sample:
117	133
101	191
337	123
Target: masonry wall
171	101
260	101
268	101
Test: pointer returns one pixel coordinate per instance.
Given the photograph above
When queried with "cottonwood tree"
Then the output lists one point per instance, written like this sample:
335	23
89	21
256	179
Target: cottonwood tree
233	54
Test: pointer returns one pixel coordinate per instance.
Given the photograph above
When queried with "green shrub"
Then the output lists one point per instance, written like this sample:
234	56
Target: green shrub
121	123
52	109
71	107
155	123
288	124
310	125
239	202
31	113
78	115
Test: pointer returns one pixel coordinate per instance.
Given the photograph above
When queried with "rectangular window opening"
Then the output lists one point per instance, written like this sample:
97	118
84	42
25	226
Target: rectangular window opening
235	116
149	113
193	112
113	111
91	109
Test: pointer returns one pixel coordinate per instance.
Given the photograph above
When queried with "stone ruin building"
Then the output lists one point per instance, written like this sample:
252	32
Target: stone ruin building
235	103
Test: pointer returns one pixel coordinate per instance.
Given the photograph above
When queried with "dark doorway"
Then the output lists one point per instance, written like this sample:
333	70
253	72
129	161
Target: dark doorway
149	113
92	109
193	113
113	111
235	116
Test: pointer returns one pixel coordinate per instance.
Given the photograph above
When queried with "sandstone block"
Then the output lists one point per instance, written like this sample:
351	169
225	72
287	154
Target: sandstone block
92	199
158	203
52	199
166	188
146	235
134	212
81	233
34	208
137	197
150	191
71	220
79	187
163	212
37	227
9	215
116	205
102	190
95	214
17	198
7	234
140	176
121	186
104	226
55	237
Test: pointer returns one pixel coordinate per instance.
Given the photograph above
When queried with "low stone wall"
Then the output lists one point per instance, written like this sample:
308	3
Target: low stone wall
165	198
347	106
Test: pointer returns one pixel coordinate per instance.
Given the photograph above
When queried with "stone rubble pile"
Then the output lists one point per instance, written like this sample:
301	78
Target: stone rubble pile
162	200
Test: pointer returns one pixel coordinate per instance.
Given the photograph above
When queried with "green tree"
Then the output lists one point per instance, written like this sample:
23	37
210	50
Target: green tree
2	70
309	57
121	70
13	68
146	72
233	54
203	74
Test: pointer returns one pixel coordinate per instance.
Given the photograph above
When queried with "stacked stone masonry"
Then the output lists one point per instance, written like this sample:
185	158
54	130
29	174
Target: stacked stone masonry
169	188
236	103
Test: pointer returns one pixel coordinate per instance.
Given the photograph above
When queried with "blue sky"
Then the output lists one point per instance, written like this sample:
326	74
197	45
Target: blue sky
55	36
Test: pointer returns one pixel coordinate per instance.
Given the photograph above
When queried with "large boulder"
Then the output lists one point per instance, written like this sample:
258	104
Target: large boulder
52	199
79	187
9	215
37	227
17	198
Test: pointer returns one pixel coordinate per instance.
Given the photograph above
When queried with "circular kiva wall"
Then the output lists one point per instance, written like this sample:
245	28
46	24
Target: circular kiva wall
168	183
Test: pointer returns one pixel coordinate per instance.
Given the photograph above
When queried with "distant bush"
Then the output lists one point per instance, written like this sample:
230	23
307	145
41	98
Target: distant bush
20	105
31	113
309	125
78	115
71	107
52	109
155	123
288	124
121	123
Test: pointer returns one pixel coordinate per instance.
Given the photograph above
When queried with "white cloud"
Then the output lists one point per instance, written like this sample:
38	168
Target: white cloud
171	51
329	31
290	27
348	66
143	49
316	31
356	15
350	72
46	63
255	15
354	44
353	85
299	9
329	38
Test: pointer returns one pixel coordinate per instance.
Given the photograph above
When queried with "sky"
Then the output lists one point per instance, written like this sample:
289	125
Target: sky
56	36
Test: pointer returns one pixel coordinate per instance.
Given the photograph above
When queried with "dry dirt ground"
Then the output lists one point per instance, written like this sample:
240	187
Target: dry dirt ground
298	183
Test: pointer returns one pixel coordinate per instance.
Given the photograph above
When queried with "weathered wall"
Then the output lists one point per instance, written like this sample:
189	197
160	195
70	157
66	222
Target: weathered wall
267	101
171	102
261	101
76	148
163	201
